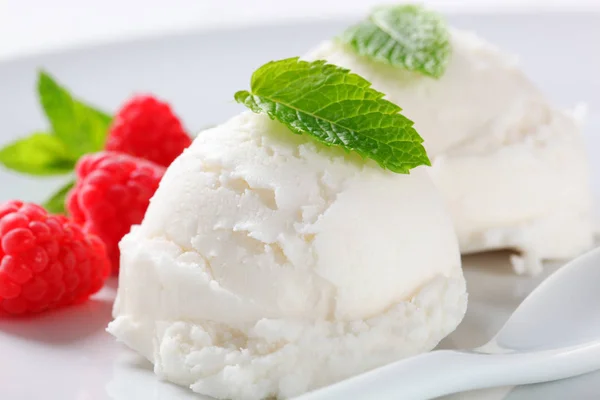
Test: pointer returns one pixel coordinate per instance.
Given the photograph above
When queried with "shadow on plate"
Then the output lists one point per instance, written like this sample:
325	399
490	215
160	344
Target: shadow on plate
496	262
64	326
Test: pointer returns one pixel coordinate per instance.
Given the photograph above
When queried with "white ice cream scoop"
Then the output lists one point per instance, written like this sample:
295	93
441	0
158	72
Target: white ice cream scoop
499	150
269	265
553	334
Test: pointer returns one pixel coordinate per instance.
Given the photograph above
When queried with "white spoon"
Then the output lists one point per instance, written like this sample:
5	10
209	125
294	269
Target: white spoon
553	334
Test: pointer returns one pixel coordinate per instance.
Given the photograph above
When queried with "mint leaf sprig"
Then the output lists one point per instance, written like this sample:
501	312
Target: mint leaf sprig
76	129
80	127
336	107
40	154
406	36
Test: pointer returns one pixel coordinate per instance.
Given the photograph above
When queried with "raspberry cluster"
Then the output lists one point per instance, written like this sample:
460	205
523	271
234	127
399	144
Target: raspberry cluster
112	193
46	261
146	127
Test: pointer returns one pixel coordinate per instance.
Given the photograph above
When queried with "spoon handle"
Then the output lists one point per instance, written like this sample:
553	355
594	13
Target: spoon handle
444	372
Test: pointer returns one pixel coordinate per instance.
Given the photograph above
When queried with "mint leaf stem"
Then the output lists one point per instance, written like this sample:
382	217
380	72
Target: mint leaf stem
56	203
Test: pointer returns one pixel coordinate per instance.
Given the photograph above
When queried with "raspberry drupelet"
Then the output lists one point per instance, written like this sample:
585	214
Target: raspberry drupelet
146	127
45	260
112	193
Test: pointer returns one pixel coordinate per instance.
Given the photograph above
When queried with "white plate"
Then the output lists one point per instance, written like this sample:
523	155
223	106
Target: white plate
66	355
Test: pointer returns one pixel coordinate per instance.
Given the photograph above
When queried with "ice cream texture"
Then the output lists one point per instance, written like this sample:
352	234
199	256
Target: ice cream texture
268	265
511	168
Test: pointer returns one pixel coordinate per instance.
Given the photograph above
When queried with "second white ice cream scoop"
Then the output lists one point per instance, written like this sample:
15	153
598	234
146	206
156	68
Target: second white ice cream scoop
511	167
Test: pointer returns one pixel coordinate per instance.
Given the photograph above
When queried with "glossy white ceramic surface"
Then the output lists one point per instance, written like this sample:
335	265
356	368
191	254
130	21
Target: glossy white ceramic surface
66	355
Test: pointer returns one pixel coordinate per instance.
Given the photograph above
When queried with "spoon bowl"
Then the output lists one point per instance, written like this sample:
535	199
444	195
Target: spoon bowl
562	311
554	334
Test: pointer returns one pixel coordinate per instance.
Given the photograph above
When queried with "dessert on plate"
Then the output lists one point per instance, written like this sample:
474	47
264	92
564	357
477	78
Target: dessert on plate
304	241
274	259
510	166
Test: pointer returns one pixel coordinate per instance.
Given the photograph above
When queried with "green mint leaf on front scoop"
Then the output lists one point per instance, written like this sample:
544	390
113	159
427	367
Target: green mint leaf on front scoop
39	154
407	36
337	108
56	203
80	127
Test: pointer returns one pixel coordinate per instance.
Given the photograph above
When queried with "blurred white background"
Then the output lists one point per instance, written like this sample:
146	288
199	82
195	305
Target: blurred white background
30	26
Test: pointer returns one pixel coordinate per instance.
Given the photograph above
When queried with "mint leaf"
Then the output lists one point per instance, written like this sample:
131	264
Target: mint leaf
38	154
80	127
337	108
406	36
56	203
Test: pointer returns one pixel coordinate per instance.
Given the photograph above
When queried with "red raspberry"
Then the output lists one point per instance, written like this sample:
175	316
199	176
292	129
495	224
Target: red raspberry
112	193
45	260
146	127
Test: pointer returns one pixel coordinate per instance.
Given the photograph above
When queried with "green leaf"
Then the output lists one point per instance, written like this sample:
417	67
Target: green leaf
406	36
337	108
56	203
38	154
80	127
